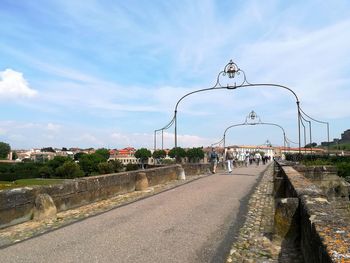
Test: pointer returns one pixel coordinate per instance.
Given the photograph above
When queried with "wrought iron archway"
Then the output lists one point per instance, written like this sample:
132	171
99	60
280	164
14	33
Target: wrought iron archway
231	70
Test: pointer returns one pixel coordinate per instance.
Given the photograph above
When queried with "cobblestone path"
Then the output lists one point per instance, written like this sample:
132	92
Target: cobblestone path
253	243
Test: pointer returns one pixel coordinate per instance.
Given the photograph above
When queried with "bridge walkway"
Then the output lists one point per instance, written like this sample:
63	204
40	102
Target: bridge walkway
194	222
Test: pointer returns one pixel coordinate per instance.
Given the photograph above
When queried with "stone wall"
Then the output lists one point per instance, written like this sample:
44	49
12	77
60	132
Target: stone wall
326	178
16	205
324	228
196	168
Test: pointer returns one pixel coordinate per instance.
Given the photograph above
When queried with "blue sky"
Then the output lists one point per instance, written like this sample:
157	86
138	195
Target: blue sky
108	73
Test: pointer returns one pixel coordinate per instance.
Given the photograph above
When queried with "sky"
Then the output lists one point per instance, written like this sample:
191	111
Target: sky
109	73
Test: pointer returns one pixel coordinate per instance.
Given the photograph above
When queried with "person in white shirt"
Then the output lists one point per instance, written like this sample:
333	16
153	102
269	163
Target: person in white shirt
257	158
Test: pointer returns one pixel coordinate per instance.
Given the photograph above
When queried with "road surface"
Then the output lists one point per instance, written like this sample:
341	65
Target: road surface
191	223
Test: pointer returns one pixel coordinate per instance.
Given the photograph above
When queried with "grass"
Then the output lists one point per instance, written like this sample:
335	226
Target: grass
28	182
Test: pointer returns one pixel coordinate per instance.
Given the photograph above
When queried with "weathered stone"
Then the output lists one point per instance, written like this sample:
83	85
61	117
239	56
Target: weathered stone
286	218
181	175
141	181
16	205
44	208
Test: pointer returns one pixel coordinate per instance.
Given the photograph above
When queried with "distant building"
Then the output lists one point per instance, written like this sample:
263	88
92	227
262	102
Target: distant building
345	138
34	155
125	155
302	150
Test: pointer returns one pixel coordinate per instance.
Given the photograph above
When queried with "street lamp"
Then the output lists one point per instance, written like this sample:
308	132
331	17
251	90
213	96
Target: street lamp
252	115
231	69
268	143
162	130
322	122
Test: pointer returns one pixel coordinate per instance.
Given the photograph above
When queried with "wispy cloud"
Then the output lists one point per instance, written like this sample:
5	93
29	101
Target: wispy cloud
122	67
314	66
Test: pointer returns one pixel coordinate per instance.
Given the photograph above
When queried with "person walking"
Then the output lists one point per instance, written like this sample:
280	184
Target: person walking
229	159
246	159
251	158
257	158
241	158
213	158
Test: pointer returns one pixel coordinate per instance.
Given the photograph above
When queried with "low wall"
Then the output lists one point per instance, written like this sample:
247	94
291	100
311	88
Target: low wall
16	205
326	178
324	230
196	168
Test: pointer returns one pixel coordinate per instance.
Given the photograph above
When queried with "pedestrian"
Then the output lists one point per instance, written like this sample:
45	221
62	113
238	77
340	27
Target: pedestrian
213	158
229	156
241	158
251	158
246	159
257	158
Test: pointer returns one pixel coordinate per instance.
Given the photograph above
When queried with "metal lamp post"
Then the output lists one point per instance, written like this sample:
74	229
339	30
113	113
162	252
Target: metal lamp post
322	122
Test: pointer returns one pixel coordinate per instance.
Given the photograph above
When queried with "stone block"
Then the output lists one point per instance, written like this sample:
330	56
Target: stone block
16	215
44	208
141	181
16	197
181	174
66	188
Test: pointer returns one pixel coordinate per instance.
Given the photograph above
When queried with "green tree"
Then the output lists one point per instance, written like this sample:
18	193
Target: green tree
178	153
103	152
78	155
143	154
195	154
46	171
158	154
57	161
105	168
131	167
117	166
69	170
15	171
4	150
14	155
89	163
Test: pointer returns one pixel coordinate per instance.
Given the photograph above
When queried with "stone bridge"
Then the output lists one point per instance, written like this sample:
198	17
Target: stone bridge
294	214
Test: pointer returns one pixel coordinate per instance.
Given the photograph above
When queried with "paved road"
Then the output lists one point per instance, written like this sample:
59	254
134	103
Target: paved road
190	223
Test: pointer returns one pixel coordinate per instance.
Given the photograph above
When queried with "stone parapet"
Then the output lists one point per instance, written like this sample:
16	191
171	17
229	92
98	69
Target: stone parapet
326	178
17	205
324	227
196	168
257	240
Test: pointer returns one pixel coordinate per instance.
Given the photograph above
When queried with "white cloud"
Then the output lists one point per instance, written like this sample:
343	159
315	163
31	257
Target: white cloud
2	131
313	65
53	127
88	138
13	85
184	140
